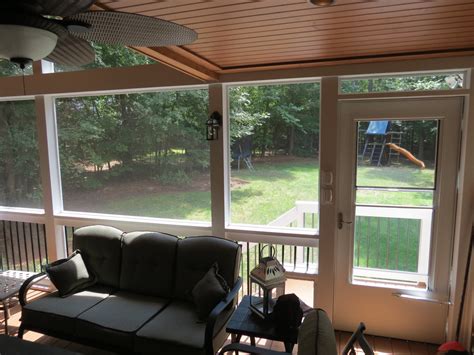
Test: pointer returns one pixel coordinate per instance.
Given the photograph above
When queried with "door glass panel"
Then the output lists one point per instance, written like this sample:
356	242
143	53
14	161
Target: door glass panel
395	182
395	153
394	197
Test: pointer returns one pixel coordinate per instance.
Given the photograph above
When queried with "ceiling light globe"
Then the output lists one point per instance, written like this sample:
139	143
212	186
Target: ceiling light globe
18	41
321	2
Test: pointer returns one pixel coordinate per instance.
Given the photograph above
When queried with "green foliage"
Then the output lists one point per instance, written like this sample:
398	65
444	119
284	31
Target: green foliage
11	69
402	83
279	118
19	166
117	56
110	56
151	135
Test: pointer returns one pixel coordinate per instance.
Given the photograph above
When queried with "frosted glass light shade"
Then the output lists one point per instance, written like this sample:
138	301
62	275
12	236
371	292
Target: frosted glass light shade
25	42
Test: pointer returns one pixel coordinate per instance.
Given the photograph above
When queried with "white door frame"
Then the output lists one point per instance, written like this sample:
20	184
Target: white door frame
419	315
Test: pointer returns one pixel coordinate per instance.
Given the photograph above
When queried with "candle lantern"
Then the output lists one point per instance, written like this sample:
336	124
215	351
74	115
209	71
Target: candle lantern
212	126
268	278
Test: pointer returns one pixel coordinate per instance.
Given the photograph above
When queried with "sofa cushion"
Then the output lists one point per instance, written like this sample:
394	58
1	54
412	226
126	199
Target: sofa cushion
176	330
148	262
208	292
101	249
69	275
58	314
116	319
195	256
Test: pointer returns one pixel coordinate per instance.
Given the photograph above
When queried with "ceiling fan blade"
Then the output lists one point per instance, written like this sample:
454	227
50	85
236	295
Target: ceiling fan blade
72	51
113	27
48	7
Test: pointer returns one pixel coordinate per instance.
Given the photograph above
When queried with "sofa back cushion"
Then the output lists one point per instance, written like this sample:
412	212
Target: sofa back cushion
148	263
101	248
196	255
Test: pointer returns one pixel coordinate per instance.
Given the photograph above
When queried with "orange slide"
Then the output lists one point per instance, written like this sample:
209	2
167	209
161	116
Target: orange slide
407	154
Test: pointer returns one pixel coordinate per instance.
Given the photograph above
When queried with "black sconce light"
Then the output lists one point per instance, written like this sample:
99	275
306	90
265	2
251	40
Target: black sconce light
212	126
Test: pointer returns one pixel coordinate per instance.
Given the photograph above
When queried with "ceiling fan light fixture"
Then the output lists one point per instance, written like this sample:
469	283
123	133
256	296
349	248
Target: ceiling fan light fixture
27	43
321	2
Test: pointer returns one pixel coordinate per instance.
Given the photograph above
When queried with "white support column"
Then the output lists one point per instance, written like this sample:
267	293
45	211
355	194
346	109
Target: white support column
219	163
464	218
50	175
324	290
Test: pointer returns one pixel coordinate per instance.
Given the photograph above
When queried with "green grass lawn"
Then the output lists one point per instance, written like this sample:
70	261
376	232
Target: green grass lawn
272	189
260	196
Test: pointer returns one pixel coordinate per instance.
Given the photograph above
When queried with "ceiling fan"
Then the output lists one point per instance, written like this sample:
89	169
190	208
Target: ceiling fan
60	31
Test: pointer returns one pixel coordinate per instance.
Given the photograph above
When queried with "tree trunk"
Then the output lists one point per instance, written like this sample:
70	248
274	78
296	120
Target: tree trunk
291	140
421	144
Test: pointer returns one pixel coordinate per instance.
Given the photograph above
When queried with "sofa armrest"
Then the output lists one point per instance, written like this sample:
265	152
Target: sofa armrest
30	281
211	320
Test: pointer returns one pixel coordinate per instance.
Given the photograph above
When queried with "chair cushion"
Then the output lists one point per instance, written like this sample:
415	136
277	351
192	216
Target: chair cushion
209	291
116	319
101	250
148	262
176	330
196	255
70	275
57	314
316	335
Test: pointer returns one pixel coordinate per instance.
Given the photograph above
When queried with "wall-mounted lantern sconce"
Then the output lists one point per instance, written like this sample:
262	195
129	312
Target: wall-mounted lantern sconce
212	126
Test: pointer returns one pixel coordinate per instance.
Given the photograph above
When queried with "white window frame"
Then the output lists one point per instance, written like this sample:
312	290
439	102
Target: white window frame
253	232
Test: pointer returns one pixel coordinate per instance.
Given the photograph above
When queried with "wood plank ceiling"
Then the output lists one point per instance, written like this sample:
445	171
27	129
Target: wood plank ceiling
251	35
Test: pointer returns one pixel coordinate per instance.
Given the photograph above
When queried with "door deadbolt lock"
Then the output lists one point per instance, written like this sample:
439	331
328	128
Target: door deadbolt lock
340	221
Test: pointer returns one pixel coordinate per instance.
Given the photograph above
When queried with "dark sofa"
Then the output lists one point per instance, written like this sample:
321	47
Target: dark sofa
142	300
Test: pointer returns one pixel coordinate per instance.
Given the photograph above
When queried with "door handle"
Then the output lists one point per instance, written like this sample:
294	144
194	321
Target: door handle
340	221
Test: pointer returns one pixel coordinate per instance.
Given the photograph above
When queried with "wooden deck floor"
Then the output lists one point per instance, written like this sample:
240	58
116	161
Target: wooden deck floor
382	346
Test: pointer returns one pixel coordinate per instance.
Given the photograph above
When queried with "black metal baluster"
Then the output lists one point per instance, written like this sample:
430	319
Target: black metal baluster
6	245
368	241
294	255
11	244
398	244
358	236
283	254
1	257
19	246
32	246
66	237
45	243
387	247
39	247
307	259
248	269
26	248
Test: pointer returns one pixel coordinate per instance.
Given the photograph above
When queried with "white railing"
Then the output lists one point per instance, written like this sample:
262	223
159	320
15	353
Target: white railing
424	215
295	217
298	217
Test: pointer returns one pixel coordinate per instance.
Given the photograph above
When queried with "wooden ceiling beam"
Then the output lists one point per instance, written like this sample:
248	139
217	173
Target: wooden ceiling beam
173	57
177	58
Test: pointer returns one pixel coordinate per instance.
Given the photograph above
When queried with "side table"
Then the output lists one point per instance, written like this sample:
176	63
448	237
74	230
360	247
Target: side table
244	322
10	283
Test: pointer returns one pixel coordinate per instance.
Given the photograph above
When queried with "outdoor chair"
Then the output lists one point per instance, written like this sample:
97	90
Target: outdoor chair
316	337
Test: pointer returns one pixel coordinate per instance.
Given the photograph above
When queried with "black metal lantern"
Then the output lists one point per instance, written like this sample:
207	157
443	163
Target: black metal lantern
269	279
212	126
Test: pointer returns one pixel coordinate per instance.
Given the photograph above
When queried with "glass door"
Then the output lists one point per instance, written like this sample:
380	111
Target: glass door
398	162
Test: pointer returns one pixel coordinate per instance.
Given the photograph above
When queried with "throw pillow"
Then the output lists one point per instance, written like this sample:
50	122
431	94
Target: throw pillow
208	292
69	275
